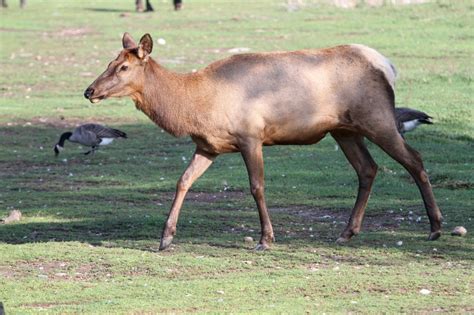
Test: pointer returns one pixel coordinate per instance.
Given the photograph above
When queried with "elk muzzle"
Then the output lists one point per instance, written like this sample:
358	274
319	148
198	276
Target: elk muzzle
88	92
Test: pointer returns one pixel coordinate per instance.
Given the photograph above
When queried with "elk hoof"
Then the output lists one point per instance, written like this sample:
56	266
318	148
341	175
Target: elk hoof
262	247
166	242
346	236
342	240
434	236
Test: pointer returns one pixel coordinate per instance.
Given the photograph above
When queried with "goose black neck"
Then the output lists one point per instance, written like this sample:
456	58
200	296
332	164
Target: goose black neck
65	136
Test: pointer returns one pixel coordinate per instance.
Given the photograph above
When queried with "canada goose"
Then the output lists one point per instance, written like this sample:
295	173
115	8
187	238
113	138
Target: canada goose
89	135
408	119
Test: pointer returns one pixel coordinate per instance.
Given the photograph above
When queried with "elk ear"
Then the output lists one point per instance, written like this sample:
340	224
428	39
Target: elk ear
145	47
127	41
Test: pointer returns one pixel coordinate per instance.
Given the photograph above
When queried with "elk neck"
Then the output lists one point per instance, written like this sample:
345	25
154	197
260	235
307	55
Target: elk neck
170	99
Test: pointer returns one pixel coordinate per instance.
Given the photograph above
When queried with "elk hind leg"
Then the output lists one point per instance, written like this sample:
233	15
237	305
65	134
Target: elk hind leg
359	157
394	145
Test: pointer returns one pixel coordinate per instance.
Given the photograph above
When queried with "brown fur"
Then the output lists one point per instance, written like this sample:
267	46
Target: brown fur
246	101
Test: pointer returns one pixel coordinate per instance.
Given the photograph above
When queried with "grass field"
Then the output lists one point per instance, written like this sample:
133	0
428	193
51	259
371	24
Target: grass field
88	240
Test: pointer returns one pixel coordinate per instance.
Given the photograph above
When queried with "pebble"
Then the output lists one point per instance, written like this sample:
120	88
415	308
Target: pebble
14	216
399	243
459	231
425	291
248	239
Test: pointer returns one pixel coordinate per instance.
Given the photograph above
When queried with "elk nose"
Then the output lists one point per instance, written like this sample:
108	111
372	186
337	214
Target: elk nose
88	93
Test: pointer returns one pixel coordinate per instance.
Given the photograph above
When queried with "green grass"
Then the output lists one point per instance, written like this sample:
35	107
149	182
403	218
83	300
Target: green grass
88	240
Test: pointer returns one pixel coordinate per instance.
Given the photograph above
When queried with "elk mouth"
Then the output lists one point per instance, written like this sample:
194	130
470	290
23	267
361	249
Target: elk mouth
96	99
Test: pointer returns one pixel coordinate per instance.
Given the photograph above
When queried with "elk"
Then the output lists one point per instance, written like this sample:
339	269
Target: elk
247	101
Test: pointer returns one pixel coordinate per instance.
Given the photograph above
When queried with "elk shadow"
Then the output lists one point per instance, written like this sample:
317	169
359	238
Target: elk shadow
110	212
108	10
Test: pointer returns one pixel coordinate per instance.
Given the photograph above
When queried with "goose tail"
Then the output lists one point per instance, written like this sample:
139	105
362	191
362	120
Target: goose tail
426	120
120	134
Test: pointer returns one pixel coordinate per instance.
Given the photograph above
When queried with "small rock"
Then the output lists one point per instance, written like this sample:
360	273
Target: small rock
248	239
459	231
425	291
399	243
14	216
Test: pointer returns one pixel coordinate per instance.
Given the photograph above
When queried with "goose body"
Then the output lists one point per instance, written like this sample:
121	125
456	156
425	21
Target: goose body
408	119
90	135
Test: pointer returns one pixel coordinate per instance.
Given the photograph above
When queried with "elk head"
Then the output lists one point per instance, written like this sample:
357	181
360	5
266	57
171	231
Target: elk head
125	75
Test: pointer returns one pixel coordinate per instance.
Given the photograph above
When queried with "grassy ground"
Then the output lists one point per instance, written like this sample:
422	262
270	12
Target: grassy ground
89	236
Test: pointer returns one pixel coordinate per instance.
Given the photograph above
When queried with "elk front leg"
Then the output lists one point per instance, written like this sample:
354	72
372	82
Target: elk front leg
199	164
253	157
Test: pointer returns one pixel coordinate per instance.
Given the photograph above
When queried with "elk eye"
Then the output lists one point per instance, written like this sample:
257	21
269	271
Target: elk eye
124	68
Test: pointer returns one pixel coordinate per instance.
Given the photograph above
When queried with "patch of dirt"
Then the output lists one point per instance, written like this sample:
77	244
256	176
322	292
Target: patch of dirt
52	304
74	32
451	56
323	18
372	221
178	310
56	270
66	184
62	122
452	184
9	30
206	197
6	272
309	222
